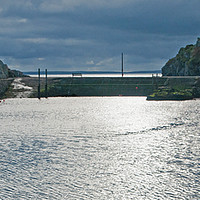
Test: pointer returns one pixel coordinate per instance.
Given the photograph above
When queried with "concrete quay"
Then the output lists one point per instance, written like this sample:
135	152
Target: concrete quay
98	86
103	86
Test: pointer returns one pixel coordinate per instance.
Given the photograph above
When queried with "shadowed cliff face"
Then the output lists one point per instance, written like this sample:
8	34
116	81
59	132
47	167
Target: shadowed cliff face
4	71
186	62
6	76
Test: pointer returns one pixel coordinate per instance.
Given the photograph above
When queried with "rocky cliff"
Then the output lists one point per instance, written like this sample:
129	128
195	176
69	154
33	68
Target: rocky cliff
5	72
186	62
6	76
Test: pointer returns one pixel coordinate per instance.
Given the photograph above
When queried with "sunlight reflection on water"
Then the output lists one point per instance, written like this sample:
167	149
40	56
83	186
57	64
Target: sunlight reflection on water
99	148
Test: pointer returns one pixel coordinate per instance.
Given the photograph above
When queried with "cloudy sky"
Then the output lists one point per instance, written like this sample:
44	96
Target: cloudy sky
92	34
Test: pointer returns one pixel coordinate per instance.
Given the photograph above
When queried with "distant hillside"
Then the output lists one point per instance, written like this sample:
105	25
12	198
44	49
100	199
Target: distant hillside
186	62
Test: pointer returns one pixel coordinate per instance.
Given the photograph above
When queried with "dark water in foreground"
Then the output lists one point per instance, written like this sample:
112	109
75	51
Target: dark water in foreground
99	148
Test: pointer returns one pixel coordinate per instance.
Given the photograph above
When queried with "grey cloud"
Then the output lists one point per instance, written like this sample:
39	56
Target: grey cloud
70	34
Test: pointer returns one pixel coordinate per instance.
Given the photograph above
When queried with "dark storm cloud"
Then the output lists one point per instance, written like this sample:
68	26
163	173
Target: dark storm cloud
91	34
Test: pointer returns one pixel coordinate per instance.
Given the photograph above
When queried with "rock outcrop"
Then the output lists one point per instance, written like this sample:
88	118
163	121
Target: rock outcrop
6	77
5	72
186	62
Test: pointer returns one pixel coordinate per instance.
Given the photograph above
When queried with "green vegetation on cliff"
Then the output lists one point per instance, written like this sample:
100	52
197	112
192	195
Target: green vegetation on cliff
186	62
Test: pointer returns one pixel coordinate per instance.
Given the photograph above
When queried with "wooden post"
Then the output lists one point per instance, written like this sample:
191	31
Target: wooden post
39	83
46	93
122	65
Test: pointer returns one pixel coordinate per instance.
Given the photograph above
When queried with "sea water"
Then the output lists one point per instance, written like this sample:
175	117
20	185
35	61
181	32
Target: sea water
99	148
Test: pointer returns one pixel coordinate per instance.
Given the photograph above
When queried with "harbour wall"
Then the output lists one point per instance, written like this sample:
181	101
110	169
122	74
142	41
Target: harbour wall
99	86
102	86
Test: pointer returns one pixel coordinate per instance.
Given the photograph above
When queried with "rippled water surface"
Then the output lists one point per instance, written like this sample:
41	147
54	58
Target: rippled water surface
99	148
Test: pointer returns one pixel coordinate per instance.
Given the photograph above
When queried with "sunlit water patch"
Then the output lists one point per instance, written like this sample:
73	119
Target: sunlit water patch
99	148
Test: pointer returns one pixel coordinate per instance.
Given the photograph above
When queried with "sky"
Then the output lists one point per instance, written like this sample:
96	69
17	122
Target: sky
72	35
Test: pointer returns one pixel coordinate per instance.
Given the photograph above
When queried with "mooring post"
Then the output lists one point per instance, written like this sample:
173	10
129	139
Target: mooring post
46	93
39	83
122	65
